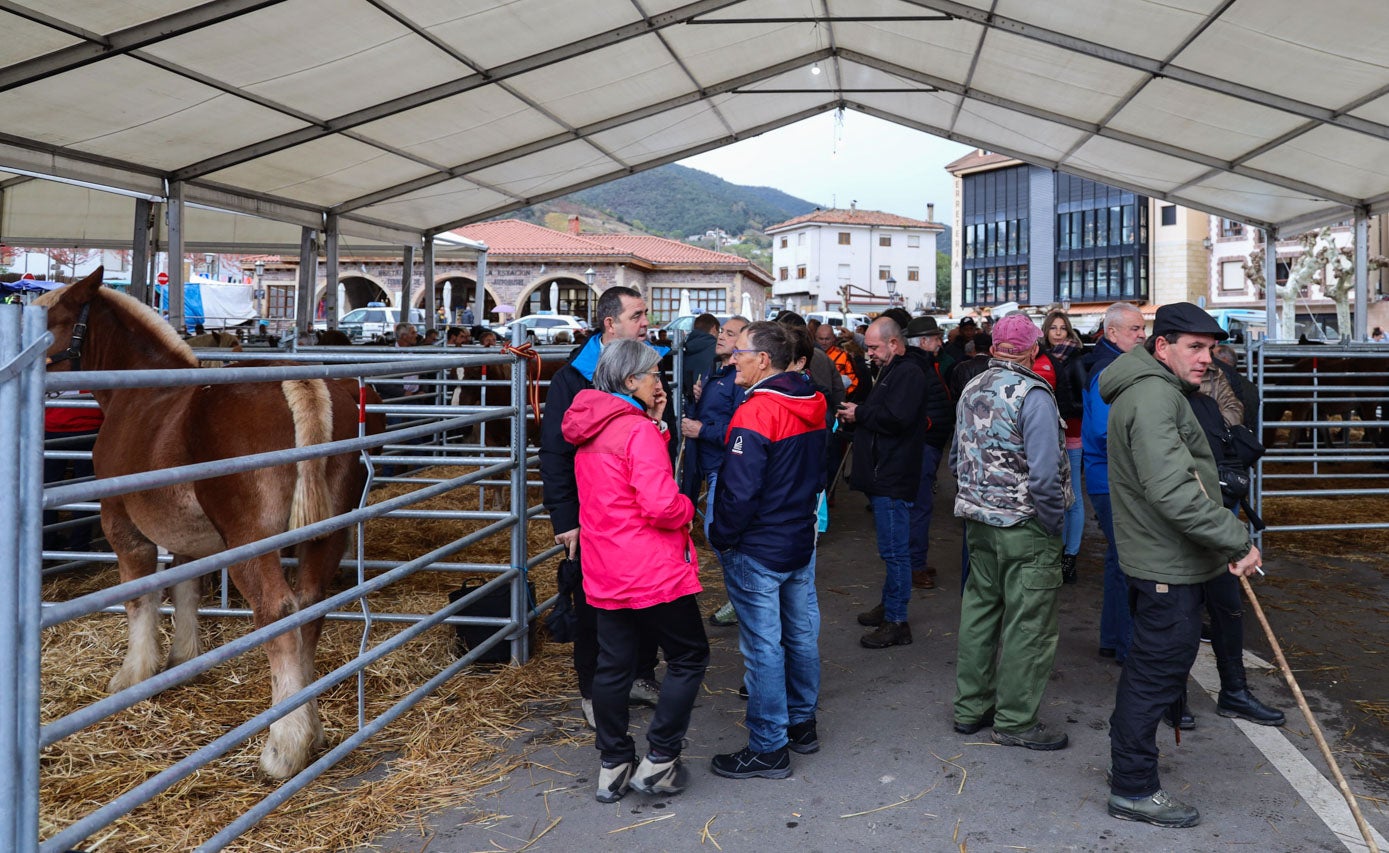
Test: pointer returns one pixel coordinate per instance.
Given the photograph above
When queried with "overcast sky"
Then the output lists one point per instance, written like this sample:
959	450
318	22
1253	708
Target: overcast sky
883	165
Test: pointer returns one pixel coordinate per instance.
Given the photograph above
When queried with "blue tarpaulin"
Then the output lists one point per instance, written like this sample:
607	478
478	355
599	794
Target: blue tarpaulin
216	305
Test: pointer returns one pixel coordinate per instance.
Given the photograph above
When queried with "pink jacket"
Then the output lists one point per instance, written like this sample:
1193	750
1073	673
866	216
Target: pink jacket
634	532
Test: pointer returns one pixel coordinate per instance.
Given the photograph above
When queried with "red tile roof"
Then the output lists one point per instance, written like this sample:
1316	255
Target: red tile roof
853	216
978	158
663	251
514	237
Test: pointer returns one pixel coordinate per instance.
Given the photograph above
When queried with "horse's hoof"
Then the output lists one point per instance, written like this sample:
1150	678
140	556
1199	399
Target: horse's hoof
278	764
123	679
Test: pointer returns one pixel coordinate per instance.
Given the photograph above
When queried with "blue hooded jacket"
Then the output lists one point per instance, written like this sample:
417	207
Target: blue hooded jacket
1094	424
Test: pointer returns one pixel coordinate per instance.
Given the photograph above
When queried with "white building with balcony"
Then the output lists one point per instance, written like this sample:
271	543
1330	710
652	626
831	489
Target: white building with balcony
819	258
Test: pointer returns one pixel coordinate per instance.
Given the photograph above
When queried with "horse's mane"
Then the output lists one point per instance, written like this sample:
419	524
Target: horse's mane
136	313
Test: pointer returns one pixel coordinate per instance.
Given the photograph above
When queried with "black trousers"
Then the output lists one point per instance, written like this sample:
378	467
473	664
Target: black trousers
679	630
1226	610
1166	636
586	646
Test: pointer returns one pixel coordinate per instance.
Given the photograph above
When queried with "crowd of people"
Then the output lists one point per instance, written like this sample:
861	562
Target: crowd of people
1027	418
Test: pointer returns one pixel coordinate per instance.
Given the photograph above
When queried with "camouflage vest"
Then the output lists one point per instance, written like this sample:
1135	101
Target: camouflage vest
991	468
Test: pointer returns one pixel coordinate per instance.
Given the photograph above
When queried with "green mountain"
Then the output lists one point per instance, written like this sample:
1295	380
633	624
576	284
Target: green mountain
677	201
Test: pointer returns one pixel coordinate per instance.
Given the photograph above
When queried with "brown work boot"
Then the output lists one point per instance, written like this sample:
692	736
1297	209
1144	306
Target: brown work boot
924	579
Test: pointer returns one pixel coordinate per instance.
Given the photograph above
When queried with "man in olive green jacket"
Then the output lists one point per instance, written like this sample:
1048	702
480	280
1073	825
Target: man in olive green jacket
1173	535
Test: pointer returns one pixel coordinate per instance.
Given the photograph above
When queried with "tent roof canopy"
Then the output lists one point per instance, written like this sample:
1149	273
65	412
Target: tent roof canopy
409	118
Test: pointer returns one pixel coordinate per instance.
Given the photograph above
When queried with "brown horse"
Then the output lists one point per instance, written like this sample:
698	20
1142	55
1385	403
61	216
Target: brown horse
154	428
499	432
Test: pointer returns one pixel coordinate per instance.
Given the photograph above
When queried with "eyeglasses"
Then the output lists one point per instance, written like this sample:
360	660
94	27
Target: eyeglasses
744	351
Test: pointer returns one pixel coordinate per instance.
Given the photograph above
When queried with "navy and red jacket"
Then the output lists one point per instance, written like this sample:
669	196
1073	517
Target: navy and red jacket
773	467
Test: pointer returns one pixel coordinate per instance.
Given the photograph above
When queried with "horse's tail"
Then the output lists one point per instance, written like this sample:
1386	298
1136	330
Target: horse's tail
312	409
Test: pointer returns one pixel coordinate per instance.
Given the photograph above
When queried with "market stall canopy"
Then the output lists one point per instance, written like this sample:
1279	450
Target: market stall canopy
415	117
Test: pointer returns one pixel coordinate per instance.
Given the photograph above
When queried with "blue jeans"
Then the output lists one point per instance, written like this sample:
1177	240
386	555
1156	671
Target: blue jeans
1116	623
891	517
1074	527
779	637
920	540
712	478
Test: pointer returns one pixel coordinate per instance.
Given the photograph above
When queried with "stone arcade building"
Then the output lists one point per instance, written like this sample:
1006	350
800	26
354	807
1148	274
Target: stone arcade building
523	261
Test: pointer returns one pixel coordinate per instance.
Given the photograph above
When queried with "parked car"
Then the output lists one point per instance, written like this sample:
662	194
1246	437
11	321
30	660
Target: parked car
372	323
542	328
685	323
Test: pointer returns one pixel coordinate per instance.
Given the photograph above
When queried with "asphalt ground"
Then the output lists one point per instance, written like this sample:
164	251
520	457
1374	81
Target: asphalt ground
893	775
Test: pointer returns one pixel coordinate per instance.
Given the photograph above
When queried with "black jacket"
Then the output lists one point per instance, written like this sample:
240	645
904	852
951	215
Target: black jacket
890	432
964	371
699	357
1071	377
940	405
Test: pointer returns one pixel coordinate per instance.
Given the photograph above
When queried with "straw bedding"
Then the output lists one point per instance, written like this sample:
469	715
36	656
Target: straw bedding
437	755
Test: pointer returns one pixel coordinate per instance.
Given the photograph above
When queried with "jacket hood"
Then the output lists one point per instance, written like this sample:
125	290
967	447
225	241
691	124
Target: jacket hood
585	358
1133	367
698	343
592	412
796	394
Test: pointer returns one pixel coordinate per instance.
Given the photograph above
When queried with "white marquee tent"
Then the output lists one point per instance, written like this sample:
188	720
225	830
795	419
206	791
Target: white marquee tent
395	120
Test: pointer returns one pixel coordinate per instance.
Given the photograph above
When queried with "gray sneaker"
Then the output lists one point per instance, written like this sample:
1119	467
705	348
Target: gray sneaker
1159	810
644	692
586	705
665	777
725	616
613	782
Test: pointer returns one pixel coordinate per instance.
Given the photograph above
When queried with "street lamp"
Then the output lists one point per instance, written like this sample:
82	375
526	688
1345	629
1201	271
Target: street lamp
589	276
259	292
891	291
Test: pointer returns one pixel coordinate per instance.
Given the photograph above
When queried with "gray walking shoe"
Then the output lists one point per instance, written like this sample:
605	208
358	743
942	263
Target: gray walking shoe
586	705
1159	810
613	782
664	777
724	617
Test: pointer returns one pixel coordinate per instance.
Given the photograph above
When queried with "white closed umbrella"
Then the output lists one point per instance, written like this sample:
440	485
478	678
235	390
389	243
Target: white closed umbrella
685	303
747	305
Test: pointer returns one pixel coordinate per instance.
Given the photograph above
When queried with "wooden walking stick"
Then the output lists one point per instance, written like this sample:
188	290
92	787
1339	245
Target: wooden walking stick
1311	721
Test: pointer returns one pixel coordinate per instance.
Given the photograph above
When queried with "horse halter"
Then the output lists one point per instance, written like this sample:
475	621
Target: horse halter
79	336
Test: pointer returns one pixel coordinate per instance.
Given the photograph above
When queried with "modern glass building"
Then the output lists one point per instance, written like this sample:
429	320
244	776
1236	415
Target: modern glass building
1034	236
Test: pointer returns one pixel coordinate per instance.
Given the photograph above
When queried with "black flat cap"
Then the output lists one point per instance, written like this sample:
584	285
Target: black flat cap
968	321
1186	318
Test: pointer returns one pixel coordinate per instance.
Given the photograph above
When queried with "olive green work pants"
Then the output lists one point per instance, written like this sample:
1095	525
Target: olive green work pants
1007	639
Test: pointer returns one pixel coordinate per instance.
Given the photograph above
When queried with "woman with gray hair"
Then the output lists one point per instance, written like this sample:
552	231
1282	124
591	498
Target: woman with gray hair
640	570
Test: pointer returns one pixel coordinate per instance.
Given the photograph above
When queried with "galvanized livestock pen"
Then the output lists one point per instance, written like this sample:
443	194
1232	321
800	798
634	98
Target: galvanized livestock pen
1325	423
426	434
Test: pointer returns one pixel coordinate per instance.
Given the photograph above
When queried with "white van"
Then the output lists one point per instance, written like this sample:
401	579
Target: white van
837	319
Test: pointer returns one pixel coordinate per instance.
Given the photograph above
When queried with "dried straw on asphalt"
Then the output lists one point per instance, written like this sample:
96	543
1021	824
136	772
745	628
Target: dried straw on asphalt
451	746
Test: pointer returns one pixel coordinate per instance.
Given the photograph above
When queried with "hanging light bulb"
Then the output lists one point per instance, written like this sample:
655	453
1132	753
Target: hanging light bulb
815	69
